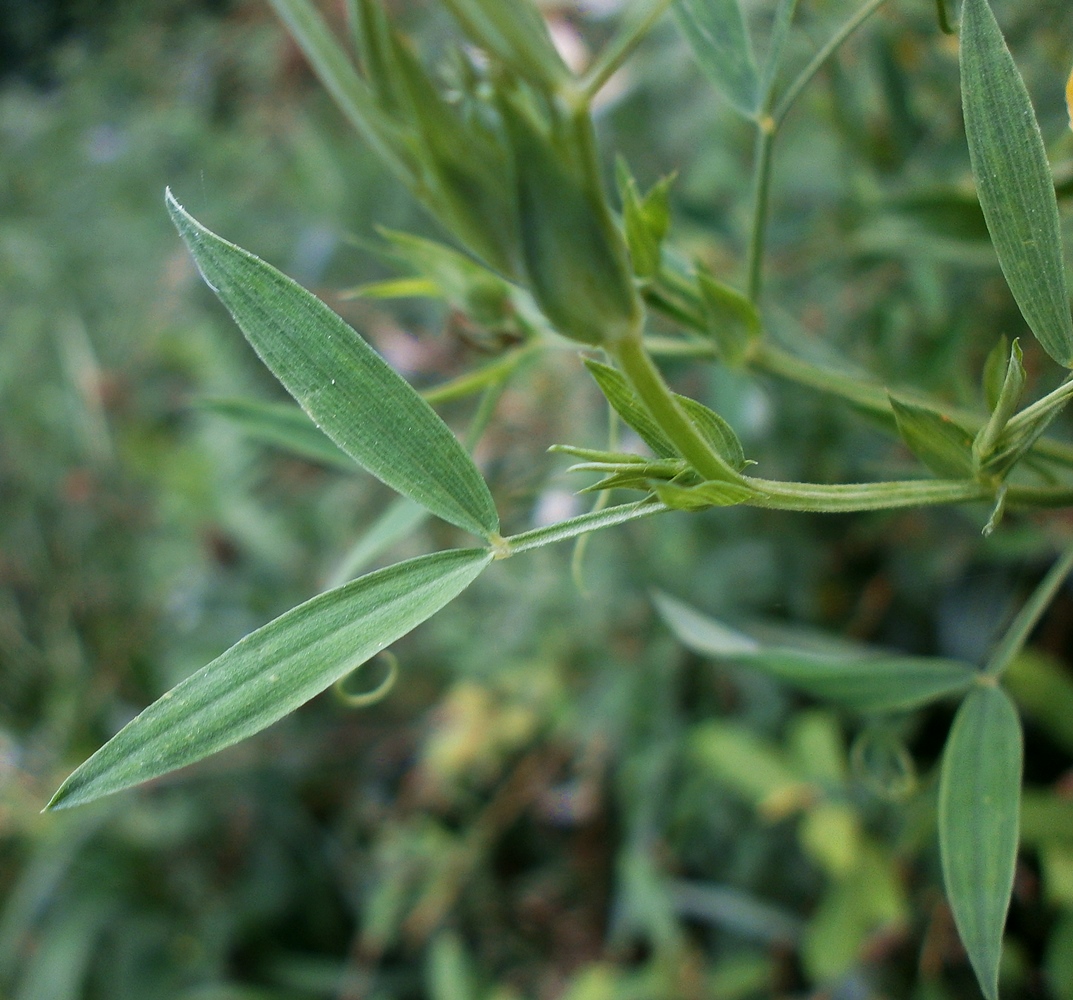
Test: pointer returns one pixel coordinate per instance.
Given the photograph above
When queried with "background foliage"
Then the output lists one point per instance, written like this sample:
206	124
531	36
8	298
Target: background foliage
556	799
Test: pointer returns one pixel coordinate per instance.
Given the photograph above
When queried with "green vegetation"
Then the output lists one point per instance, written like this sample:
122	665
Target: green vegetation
767	734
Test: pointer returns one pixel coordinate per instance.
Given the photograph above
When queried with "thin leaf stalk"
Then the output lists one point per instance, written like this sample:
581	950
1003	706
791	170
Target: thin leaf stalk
619	49
834	43
1028	617
763	156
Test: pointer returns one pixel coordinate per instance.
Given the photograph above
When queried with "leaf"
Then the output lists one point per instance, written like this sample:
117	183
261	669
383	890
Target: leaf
716	32
1013	384
351	393
272	671
865	681
719	434
514	33
995	371
713	493
614	386
943	446
283	425
979	806
1014	181
732	319
645	220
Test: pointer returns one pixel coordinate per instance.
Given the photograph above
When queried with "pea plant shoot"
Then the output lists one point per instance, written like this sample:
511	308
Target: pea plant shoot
505	158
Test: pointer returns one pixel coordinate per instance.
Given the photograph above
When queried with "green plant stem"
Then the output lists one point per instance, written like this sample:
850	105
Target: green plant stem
846	497
833	45
648	383
762	158
619	49
1017	635
575	526
493	373
767	127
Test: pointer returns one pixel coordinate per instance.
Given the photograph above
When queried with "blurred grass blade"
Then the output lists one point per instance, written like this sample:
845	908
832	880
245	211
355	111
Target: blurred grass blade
865	682
780	31
943	446
979	805
351	393
282	425
716	32
341	80
273	671
1014	181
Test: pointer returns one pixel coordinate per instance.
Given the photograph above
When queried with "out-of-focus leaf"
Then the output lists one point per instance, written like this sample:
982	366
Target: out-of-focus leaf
575	255
1014	181
646	219
868	682
1043	689
515	33
754	768
351	393
979	805
720	41
995	371
733	320
272	671
943	446
283	425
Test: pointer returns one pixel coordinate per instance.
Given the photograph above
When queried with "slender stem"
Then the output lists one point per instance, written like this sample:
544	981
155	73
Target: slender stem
834	43
1048	406
580	525
762	159
619	49
1017	635
493	373
648	383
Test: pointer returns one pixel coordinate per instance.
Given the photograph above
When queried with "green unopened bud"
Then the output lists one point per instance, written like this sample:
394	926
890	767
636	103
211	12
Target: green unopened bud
574	255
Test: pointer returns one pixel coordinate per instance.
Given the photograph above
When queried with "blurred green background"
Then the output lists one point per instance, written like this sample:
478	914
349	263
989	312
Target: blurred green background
555	800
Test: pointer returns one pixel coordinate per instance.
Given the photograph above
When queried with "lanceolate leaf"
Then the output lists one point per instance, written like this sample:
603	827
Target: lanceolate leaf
720	41
1014	181
979	819
273	671
351	393
943	446
865	681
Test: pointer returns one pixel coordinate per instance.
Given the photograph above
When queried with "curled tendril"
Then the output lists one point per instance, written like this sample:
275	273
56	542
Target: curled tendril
881	762
365	698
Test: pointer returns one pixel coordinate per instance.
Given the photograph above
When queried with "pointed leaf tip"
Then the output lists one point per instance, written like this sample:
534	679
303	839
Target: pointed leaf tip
351	393
1014	180
272	671
979	824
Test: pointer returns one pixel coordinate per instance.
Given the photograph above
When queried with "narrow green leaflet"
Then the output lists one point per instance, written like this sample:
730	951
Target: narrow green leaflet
864	681
716	31
979	818
943	446
283	425
619	394
351	393
273	671
1013	180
